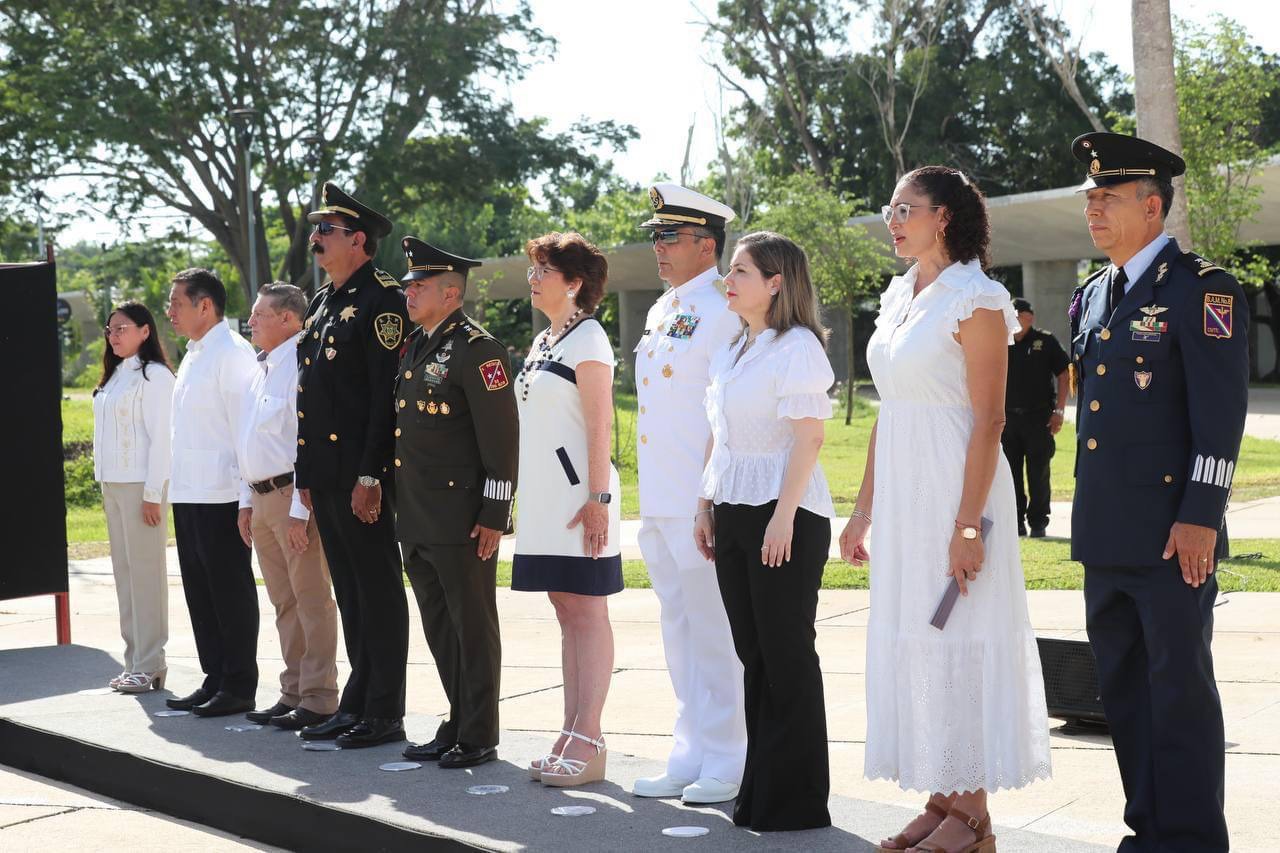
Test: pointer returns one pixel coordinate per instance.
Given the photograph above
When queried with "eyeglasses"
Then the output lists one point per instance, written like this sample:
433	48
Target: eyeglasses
900	212
670	238
537	273
109	331
324	229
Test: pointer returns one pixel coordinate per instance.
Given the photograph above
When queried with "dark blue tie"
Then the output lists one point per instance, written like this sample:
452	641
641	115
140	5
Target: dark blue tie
1118	282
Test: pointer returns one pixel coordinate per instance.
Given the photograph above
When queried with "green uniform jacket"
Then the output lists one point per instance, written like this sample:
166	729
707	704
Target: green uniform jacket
347	356
457	435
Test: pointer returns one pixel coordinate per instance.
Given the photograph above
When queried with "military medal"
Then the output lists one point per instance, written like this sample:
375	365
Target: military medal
330	353
432	408
434	374
683	326
1142	378
422	405
444	408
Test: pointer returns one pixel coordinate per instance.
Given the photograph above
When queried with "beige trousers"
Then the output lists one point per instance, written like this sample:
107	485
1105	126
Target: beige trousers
306	616
142	584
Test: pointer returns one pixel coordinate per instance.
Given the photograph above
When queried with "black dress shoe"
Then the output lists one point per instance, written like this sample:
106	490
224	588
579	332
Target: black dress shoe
372	731
223	705
464	755
298	718
186	703
428	751
1037	533
264	716
330	728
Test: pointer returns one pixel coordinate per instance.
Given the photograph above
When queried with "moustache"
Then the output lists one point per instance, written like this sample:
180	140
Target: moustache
317	249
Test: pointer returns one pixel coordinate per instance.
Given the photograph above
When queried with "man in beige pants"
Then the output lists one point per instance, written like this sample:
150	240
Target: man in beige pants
274	520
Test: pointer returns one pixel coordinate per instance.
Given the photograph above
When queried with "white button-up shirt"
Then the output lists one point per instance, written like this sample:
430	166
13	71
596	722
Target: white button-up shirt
684	328
207	395
131	427
267	443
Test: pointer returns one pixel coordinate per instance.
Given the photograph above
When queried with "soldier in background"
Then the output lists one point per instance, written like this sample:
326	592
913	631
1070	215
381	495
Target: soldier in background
348	353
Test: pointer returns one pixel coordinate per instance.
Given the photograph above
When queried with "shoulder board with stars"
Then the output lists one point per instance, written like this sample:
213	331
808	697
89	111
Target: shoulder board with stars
385	278
474	330
1201	266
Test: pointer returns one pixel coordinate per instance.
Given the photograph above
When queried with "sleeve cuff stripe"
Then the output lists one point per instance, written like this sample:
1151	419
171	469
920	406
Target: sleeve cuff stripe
497	490
1213	472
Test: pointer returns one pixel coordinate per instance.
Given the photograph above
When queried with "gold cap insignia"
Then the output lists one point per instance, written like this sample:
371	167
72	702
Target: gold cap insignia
655	198
1094	166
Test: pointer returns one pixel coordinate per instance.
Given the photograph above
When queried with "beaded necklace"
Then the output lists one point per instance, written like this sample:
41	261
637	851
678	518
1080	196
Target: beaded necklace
543	353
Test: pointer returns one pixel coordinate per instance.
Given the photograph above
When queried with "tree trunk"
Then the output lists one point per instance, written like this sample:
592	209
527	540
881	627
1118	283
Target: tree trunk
1155	97
850	361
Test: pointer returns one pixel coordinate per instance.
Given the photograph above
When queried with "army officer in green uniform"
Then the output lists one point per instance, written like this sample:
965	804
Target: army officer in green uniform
457	440
347	359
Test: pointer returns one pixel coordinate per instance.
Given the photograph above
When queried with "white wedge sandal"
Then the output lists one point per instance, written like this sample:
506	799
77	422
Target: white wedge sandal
539	764
569	772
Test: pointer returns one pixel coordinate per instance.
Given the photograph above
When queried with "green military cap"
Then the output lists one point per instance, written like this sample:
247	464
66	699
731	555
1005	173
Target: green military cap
1113	158
335	202
425	260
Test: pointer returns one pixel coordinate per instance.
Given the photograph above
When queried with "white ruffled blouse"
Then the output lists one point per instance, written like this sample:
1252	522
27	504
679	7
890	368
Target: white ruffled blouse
749	403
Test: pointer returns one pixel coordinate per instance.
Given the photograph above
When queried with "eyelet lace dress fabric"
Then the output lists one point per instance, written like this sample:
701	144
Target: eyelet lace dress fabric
751	403
960	708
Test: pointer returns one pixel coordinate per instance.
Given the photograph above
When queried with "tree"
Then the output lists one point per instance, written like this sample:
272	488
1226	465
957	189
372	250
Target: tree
846	263
1063	55
384	96
1156	96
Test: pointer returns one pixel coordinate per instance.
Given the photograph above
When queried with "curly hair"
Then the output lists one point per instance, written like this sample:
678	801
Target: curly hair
576	259
968	232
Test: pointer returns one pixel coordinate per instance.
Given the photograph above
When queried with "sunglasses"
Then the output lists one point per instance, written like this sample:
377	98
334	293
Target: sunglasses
324	229
900	212
670	238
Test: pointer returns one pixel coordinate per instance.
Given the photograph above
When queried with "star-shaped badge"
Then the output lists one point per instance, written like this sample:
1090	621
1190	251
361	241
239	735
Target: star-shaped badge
347	313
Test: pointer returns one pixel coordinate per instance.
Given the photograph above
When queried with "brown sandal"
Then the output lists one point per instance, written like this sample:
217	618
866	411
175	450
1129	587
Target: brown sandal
985	843
933	806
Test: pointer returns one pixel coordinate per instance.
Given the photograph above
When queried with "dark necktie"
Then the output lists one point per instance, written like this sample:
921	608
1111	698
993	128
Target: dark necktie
1118	282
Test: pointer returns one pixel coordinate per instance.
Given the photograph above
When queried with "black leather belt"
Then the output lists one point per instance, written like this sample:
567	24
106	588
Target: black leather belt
269	485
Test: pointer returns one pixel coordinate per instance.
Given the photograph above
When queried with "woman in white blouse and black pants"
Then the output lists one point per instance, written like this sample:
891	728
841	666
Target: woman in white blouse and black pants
131	460
765	518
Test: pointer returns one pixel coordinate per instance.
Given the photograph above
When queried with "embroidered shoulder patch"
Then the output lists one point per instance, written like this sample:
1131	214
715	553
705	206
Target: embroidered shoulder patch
1217	315
493	374
389	329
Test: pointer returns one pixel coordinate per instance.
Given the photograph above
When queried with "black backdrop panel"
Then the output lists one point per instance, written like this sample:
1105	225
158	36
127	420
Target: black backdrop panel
33	520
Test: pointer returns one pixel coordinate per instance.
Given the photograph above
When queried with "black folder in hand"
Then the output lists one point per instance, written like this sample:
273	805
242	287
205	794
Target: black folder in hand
949	597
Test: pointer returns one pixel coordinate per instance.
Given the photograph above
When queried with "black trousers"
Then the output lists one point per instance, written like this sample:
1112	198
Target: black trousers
1150	634
786	780
368	584
222	598
457	597
1028	443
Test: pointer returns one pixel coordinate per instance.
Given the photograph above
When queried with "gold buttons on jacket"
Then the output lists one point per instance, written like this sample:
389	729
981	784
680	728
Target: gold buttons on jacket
666	371
402	404
451	484
1102	370
302	441
408	374
642	410
397	463
299	389
1140	359
646	380
1092	444
397	432
1094	405
1168	478
331	339
333	436
306	361
1105	335
301	413
644	439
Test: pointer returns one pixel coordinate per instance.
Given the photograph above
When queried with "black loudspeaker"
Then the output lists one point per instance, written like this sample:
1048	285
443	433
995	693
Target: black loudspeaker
33	525
1071	685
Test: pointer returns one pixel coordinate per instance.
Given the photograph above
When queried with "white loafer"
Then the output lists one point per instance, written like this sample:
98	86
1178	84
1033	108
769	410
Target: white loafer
660	786
709	790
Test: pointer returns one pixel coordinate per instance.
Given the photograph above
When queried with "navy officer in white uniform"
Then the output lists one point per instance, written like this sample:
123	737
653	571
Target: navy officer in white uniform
684	328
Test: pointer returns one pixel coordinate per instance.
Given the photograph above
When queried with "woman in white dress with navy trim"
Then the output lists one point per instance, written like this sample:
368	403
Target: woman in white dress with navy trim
567	527
955	711
765	518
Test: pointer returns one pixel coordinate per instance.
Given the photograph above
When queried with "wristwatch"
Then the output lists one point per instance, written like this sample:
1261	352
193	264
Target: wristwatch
602	497
367	481
966	531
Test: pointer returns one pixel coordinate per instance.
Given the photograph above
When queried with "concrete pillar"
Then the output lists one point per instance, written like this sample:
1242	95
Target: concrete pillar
1048	285
633	307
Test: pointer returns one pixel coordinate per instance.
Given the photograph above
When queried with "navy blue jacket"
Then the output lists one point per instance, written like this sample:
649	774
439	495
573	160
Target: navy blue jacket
1162	387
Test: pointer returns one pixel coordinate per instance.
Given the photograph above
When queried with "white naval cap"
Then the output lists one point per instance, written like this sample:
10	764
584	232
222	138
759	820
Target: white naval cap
676	205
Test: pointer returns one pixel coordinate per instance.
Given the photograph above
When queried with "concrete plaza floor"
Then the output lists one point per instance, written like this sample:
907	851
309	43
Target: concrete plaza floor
1082	803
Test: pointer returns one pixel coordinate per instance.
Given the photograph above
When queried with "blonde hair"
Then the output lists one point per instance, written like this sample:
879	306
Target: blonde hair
797	301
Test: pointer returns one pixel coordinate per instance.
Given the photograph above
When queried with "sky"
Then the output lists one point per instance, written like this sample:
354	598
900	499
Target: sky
646	64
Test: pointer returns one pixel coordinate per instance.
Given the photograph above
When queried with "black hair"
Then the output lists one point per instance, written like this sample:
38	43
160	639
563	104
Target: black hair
200	283
968	232
150	352
1160	187
370	241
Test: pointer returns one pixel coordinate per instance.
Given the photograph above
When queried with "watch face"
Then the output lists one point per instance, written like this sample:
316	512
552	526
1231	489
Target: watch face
970	533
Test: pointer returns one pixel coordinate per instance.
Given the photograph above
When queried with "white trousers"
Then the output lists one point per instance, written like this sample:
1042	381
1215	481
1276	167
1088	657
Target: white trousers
142	584
710	730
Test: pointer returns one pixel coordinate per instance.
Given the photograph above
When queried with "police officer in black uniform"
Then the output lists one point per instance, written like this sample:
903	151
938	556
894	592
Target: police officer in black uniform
1158	340
457	445
348	353
1034	408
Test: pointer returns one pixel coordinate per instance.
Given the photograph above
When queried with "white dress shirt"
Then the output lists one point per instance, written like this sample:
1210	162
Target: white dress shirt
211	383
672	363
267	442
750	404
131	427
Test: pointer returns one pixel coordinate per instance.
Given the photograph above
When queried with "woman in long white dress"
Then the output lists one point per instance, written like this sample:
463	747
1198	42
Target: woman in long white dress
957	711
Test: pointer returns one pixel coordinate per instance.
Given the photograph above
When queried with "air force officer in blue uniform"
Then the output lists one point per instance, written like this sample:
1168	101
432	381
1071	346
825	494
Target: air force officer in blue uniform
1160	352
